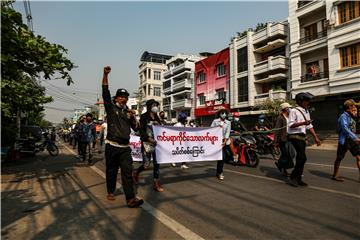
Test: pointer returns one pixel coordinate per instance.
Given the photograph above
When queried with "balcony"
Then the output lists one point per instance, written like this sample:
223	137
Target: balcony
182	67
271	46
275	29
272	94
167	74
312	77
272	78
272	63
182	103
313	37
303	3
179	85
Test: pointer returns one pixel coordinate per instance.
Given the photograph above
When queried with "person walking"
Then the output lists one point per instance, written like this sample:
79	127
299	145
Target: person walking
347	138
280	140
117	150
147	121
103	133
181	123
299	123
225	124
87	137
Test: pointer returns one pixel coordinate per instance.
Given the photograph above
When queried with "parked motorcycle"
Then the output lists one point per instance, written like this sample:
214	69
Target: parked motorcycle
32	145
243	147
265	144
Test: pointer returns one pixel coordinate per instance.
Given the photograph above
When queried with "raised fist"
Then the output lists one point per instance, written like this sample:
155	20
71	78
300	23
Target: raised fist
107	70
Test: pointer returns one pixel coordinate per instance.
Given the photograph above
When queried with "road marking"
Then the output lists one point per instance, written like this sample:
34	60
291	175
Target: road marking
327	165
159	215
280	181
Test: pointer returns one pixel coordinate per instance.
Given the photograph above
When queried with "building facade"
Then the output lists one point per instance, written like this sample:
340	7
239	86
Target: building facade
325	55
151	69
259	69
212	86
178	86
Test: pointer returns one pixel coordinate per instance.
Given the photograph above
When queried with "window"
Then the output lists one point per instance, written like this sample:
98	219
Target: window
202	77
243	91
202	99
221	70
157	91
167	84
149	73
348	10
242	58
149	89
157	75
221	94
350	55
311	31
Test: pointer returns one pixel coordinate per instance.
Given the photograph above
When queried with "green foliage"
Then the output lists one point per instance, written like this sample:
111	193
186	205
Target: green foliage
272	108
259	26
24	58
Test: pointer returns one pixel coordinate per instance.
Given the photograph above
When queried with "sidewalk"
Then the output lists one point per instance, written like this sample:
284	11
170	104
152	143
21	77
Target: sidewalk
57	198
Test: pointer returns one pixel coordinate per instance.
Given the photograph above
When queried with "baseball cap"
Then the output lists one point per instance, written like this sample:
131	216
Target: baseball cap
285	105
122	92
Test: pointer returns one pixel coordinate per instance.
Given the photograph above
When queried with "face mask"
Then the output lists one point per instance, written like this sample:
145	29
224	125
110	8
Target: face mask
223	115
154	109
261	120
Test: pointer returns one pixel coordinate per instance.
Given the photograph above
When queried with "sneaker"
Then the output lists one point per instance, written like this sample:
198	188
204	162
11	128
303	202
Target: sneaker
134	202
220	176
184	166
157	187
292	182
301	183
173	164
110	197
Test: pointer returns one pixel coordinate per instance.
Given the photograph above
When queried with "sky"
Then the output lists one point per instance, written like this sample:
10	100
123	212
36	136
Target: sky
116	33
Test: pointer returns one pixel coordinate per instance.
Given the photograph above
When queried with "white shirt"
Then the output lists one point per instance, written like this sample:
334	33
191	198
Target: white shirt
179	124
225	125
296	117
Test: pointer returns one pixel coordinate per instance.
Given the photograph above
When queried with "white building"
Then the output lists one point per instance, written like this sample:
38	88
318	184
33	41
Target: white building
151	71
178	86
325	54
259	67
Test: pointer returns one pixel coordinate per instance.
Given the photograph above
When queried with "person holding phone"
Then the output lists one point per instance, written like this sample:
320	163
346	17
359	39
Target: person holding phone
299	123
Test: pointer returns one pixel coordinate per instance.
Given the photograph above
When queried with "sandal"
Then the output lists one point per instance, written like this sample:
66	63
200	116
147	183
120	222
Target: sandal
338	178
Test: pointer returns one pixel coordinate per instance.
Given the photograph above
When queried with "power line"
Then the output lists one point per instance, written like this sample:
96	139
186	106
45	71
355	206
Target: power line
59	109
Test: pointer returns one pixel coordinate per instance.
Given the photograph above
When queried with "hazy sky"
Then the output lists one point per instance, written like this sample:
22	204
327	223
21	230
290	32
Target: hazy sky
117	33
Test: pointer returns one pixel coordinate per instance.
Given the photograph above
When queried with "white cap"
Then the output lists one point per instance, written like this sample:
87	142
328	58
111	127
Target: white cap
285	105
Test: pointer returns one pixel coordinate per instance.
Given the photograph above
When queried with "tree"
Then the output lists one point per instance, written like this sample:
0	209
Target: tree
272	108
24	58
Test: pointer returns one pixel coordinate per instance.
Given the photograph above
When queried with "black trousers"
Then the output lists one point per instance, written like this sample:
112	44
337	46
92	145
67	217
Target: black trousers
299	146
119	157
220	163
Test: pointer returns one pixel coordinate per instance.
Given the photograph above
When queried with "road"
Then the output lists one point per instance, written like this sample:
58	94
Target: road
248	204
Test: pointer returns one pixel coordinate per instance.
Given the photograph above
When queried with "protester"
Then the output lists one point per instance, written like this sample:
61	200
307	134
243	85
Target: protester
117	150
147	121
88	135
78	134
280	140
347	138
163	118
225	124
261	125
299	122
103	133
181	123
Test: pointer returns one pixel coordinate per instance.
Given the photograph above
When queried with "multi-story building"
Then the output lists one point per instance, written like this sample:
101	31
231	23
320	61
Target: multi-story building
259	66
212	86
325	55
178	86
151	71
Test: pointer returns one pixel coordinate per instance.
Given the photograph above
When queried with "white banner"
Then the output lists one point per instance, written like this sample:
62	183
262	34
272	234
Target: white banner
135	145
187	144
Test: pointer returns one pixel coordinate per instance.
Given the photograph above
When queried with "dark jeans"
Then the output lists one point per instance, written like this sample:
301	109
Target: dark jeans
119	157
220	163
146	160
299	146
